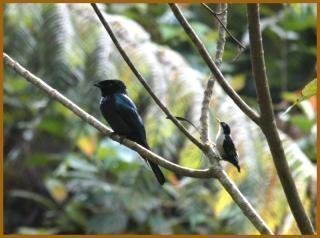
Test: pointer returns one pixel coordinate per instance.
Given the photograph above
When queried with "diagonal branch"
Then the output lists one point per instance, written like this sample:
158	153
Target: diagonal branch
53	93
222	24
267	121
142	80
212	66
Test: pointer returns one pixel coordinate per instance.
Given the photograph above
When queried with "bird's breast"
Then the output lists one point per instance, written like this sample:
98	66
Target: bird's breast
112	116
219	143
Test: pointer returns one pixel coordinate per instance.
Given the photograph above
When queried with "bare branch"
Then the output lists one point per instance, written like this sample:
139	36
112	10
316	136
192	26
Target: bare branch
223	25
237	196
142	80
267	121
204	118
222	33
212	66
53	93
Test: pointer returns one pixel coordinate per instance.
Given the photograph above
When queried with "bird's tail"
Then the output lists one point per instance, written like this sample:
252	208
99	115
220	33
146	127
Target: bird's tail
155	168
157	171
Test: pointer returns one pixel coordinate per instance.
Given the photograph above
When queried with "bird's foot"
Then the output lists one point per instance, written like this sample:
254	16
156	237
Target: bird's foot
121	139
112	134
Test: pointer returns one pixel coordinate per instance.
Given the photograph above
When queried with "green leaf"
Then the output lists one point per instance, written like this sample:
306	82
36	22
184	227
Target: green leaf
106	223
57	189
79	164
302	122
37	231
308	91
75	213
53	126
46	202
37	159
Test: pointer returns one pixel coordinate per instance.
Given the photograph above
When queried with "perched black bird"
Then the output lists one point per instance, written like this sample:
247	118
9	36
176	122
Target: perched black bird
122	115
225	145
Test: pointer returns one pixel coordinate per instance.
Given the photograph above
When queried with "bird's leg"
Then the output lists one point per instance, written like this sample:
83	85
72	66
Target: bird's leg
122	137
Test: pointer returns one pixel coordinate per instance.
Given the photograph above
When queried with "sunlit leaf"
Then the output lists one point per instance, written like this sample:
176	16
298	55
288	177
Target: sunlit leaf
87	144
222	201
238	82
37	231
190	157
308	91
57	189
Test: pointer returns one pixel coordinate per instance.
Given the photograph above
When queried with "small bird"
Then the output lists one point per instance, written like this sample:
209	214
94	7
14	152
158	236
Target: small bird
225	145
122	115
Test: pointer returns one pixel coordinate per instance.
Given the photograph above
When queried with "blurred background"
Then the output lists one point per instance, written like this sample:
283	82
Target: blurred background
62	176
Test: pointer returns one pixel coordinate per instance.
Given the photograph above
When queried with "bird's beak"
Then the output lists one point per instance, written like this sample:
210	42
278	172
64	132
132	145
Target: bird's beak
218	120
238	167
97	85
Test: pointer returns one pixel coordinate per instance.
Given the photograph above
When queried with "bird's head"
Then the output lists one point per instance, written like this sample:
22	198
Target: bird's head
225	127
111	86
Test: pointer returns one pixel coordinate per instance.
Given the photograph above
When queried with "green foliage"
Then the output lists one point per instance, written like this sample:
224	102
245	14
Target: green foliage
62	176
308	91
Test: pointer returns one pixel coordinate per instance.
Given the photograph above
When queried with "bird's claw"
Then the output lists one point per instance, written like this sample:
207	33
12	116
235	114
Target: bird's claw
121	140
112	134
121	137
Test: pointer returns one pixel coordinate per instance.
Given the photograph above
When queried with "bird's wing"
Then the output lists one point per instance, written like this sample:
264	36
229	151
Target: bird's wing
128	112
229	147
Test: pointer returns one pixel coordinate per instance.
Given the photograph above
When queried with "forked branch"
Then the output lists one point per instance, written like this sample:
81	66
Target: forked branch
212	66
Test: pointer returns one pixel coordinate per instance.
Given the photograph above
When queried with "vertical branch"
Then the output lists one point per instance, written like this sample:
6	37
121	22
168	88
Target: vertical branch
222	33
204	118
212	66
267	121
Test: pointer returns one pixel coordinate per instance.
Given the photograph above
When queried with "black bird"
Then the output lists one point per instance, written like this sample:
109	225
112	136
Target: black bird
225	145
122	115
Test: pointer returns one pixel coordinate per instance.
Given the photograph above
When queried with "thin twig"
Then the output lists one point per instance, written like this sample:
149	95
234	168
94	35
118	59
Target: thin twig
53	93
267	121
222	34
204	118
223	25
141	79
221	11
212	66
